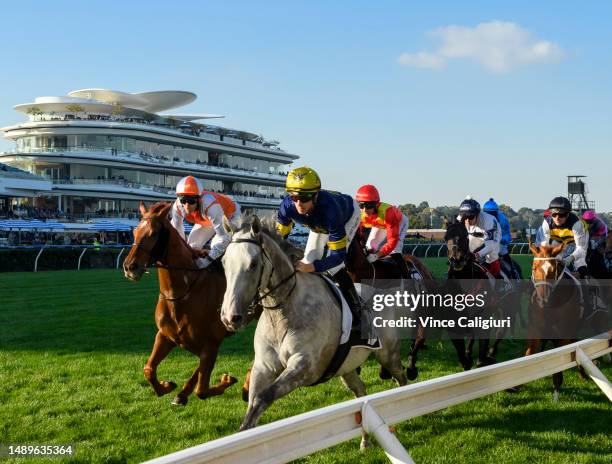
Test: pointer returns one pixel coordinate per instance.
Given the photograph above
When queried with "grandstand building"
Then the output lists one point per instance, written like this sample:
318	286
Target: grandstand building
100	152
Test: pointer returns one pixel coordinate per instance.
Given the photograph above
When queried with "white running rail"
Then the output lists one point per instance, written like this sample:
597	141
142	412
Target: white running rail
300	435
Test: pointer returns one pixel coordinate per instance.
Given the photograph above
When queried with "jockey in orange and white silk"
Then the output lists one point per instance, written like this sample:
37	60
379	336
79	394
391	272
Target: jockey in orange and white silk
388	222
208	222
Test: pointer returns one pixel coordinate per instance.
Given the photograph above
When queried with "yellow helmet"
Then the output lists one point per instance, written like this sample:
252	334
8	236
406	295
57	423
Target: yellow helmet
303	180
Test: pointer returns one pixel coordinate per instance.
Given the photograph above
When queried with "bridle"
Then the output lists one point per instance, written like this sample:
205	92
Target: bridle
264	294
158	253
551	286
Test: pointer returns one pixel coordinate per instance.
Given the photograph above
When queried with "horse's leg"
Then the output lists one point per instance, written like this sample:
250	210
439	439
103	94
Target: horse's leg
459	344
483	350
411	371
161	348
390	358
245	386
469	349
353	382
207	362
558	376
262	393
183	396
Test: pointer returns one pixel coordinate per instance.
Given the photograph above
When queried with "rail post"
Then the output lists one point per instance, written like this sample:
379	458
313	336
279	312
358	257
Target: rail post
374	424
119	257
36	260
80	257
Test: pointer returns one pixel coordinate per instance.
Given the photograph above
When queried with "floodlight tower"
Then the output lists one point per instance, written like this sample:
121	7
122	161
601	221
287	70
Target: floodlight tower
577	194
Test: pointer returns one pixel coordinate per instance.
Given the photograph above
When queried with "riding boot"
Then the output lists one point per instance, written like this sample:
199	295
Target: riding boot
587	297
401	265
350	294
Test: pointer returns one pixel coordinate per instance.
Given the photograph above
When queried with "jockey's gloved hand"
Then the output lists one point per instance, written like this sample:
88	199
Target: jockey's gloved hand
568	260
372	257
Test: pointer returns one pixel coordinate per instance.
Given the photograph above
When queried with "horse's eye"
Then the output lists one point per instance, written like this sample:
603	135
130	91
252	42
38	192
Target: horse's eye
252	265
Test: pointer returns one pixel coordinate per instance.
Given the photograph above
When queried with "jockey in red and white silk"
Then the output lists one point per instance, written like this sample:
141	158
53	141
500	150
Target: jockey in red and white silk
207	217
386	222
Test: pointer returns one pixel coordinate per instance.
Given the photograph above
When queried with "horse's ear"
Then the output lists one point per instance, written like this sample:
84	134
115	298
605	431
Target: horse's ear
165	211
534	249
446	222
229	228
255	225
143	208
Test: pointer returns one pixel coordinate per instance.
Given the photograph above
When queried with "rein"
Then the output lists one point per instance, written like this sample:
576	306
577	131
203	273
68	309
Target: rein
264	294
155	254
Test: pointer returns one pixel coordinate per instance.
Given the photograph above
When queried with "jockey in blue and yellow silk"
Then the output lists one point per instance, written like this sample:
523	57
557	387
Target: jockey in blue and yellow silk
333	219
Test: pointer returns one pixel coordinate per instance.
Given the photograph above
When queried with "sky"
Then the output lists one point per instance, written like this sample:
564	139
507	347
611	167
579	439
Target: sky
427	100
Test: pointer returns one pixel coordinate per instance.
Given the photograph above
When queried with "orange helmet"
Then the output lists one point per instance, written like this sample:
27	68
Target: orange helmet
189	186
367	193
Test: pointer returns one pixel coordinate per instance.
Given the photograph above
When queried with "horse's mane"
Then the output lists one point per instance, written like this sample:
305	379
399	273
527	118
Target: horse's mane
268	227
157	207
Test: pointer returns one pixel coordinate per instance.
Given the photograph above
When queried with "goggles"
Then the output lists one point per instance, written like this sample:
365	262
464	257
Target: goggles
189	200
301	197
469	216
561	215
367	204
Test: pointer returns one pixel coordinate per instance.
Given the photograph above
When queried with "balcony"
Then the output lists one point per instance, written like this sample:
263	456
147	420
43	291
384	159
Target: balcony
150	160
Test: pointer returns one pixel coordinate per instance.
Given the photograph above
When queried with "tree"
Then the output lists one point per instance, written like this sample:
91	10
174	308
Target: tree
117	110
34	111
75	108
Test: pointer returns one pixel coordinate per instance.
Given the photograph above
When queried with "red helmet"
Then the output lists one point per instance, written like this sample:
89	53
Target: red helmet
367	193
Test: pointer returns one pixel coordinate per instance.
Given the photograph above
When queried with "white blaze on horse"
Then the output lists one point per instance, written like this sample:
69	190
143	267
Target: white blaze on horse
300	328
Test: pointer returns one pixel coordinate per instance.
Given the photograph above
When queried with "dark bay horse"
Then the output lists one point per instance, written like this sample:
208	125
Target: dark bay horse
555	309
189	299
461	265
360	269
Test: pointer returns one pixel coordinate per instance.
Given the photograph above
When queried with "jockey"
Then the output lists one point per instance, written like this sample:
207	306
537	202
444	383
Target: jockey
333	219
386	222
484	234
563	226
205	210
492	208
598	233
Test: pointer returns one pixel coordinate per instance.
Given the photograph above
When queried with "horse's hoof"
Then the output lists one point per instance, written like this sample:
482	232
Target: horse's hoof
364	445
228	379
358	370
384	373
487	361
245	395
515	389
492	352
179	400
167	387
412	373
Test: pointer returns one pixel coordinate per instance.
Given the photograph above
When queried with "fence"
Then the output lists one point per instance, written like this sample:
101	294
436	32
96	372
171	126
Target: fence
439	250
61	257
306	433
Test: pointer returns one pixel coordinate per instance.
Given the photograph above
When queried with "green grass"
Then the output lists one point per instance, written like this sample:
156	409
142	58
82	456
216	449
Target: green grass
73	344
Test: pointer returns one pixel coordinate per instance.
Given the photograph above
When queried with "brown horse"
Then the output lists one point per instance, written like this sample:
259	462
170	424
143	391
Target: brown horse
555	306
187	310
360	269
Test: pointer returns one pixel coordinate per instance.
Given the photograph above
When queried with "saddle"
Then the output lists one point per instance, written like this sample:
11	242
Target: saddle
392	270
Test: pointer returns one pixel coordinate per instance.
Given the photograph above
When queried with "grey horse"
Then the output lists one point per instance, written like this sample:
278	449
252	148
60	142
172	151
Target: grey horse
299	330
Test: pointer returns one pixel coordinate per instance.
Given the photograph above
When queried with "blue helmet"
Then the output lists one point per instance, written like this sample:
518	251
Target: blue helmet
490	206
469	206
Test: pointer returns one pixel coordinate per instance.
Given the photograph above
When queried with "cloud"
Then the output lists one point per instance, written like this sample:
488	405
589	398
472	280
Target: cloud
497	45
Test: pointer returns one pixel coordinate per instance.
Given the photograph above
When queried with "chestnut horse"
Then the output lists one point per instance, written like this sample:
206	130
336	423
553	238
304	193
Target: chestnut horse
189	300
555	307
360	269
